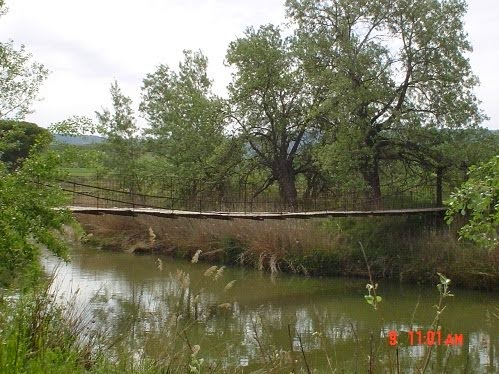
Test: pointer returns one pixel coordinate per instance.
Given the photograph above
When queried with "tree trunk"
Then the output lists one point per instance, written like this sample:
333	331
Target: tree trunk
370	173
286	179
440	175
369	166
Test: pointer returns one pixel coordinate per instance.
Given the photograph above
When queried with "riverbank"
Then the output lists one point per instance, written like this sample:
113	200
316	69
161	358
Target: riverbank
410	249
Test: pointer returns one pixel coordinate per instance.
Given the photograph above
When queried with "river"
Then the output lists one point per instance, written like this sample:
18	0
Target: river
322	324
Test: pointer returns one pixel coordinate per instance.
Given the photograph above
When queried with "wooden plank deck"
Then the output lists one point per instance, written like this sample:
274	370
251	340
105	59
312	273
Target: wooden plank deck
252	215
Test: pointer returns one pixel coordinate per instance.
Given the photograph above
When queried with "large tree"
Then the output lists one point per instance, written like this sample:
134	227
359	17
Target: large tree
272	106
391	68
186	124
123	148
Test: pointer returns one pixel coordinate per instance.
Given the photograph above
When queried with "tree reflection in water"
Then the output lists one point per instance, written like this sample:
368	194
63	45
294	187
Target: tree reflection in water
146	310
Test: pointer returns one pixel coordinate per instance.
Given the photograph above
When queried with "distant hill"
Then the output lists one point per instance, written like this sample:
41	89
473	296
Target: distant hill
79	140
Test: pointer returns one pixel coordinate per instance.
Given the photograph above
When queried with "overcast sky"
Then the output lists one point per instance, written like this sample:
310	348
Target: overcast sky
88	44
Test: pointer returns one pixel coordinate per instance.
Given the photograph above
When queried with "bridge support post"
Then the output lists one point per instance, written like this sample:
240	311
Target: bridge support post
245	196
439	193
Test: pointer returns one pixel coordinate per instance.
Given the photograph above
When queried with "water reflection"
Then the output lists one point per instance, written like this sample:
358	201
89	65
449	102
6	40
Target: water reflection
261	316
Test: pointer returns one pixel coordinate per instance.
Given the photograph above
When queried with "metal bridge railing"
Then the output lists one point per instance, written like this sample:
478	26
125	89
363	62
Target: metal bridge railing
105	196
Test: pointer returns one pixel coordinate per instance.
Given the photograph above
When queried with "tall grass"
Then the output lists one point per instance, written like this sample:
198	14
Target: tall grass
41	332
410	249
39	335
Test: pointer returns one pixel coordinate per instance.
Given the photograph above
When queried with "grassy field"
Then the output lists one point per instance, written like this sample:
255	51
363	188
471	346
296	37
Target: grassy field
80	172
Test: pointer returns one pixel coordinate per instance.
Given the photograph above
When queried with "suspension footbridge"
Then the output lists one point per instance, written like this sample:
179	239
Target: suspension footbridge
108	198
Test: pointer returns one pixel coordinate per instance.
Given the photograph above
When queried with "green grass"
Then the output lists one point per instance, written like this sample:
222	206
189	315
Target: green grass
80	172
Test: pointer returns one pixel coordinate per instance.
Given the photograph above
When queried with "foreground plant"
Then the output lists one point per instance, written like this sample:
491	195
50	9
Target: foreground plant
478	201
39	334
444	291
27	215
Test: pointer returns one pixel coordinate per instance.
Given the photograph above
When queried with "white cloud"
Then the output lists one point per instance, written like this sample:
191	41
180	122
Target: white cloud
483	31
87	44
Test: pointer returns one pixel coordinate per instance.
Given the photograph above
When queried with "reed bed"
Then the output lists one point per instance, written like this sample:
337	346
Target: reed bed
409	249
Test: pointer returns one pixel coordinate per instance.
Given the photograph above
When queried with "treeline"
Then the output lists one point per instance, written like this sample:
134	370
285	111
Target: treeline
351	94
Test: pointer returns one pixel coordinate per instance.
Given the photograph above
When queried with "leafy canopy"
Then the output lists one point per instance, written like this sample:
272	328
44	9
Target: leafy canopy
17	138
122	147
186	120
389	70
272	105
27	215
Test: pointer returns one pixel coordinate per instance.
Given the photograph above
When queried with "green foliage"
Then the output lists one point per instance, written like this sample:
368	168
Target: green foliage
443	286
186	119
123	146
272	105
458	149
361	94
81	160
196	363
39	336
122	152
27	215
16	139
20	79
453	151
372	299
478	200
388	71
74	126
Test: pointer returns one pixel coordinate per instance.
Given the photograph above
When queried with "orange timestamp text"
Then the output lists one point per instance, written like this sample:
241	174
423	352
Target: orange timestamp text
429	337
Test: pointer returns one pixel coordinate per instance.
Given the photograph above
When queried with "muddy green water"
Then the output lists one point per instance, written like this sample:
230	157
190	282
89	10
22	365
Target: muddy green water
126	293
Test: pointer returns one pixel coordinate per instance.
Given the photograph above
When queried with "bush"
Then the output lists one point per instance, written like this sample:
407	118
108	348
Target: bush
16	140
478	200
27	215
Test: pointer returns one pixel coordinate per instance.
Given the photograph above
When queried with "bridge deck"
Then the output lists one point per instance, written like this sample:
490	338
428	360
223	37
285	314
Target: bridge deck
252	215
